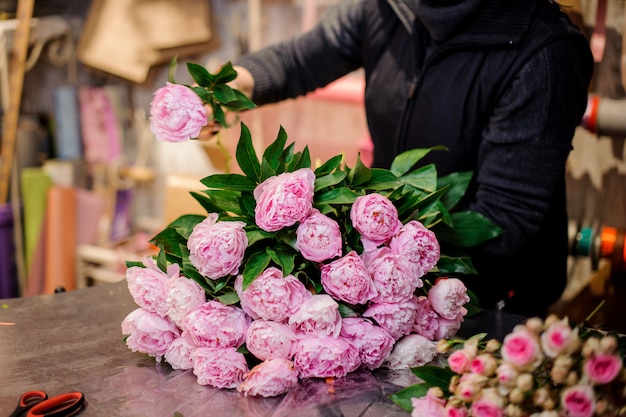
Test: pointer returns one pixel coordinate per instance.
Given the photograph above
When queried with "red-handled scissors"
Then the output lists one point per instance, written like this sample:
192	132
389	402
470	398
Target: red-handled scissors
36	403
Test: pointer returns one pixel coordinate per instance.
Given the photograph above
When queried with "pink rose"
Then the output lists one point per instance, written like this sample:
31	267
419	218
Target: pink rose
373	342
507	374
284	200
219	367
217	248
179	354
318	237
317	315
397	318
429	406
325	356
183	295
271	296
488	404
484	364
411	351
602	368
448	296
213	324
470	386
148	332
176	113
270	378
148	286
269	339
391	275
460	360
578	401
521	349
558	338
347	279
418	244
376	218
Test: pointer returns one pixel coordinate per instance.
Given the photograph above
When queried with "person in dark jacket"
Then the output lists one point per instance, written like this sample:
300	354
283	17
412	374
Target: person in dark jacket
501	83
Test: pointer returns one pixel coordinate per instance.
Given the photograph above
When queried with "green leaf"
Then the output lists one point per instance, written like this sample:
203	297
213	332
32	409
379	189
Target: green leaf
346	311
241	102
381	180
283	256
257	262
200	75
235	182
218	114
404	396
172	70
469	229
329	166
435	376
456	184
329	180
225	74
162	261
130	264
456	265
227	201
224	94
246	155
403	162
229	298
274	151
360	174
341	195
424	178
255	235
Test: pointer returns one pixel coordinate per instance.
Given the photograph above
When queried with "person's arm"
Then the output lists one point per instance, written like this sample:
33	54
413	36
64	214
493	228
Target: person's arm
526	145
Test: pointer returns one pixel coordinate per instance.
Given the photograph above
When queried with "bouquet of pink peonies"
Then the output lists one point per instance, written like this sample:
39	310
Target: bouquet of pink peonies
299	272
542	368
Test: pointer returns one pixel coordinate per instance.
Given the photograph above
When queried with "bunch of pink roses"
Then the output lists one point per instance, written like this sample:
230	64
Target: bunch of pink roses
298	272
542	368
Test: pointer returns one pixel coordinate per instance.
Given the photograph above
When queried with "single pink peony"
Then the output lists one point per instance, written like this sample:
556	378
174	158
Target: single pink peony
271	296
418	244
411	351
347	279
179	354
176	113
284	199
317	315
269	339
602	368
219	367
183	295
447	328
376	218
325	356
373	342
213	324
270	378
148	332
391	275
397	318
578	401
148	286
217	248
427	321
318	237
448	296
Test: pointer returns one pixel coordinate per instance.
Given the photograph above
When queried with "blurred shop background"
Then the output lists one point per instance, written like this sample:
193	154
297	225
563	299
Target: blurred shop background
84	184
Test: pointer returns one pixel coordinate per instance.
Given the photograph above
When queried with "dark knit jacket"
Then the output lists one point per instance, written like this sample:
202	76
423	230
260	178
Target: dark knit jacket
501	83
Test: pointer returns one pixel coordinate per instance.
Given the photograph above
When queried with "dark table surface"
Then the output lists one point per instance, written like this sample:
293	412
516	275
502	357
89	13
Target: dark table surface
73	342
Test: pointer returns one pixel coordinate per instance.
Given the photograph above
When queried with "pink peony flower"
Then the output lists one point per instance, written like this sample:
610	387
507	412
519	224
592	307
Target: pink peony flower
284	199
376	218
448	296
317	315
176	113
269	339
270	378
219	367
217	248
271	296
558	338
521	349
179	353
429	406
418	244
397	318
602	368
148	332
183	295
578	401
347	279
447	328
213	324
318	237
410	351
391	275
148	286
325	356
373	342
427	320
